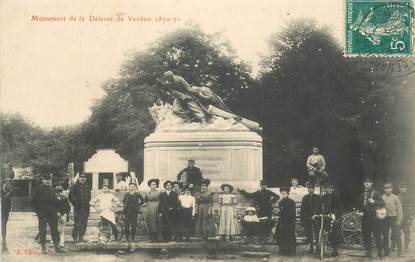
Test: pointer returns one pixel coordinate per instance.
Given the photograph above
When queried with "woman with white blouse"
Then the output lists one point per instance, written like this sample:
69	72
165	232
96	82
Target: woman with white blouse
186	214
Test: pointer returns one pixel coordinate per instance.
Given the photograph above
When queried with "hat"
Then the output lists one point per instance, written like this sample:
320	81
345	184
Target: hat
191	160
205	181
250	209
228	185
155	180
82	175
388	185
310	185
165	183
177	183
59	189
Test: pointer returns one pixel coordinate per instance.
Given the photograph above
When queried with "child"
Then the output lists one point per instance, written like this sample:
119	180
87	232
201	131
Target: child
250	223
64	208
228	224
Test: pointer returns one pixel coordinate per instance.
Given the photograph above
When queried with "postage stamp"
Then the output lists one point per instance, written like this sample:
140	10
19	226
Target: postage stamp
378	28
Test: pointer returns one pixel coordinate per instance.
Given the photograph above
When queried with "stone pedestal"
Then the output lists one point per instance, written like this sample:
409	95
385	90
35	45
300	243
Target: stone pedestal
233	157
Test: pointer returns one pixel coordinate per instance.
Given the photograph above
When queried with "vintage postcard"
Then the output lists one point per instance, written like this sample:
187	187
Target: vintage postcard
195	130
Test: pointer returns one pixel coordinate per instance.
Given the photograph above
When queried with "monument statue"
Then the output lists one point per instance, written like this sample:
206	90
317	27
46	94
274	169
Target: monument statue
198	125
195	104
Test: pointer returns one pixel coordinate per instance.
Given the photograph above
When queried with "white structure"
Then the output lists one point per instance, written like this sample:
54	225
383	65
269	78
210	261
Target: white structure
105	164
229	156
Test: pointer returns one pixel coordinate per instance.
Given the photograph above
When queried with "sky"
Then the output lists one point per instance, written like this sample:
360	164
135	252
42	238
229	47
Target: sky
52	72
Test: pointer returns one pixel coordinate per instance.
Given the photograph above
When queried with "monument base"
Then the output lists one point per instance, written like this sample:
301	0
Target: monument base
233	157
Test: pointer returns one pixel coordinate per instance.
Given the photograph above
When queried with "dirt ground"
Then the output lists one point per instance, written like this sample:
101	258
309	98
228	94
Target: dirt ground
22	228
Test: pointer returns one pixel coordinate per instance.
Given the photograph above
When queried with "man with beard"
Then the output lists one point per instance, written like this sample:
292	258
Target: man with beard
79	196
191	176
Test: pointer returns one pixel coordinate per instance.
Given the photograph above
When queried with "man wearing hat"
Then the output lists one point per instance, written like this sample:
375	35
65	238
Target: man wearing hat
168	206
79	196
393	219
407	213
45	204
263	199
370	200
132	202
191	176
309	208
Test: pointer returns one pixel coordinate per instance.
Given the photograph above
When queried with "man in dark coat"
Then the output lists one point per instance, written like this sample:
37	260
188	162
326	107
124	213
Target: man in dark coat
6	203
45	204
330	205
263	199
168	206
309	208
408	213
79	196
191	176
370	200
286	224
132	202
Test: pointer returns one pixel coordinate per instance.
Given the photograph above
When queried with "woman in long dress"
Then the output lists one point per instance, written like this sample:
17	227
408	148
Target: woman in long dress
286	224
204	202
187	212
152	216
228	223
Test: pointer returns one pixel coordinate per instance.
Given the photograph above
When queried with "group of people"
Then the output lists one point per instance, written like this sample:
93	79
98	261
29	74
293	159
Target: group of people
185	209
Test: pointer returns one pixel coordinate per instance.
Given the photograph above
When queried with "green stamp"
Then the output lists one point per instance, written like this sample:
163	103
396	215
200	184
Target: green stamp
379	28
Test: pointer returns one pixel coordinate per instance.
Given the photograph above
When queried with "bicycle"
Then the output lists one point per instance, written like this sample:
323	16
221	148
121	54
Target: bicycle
323	235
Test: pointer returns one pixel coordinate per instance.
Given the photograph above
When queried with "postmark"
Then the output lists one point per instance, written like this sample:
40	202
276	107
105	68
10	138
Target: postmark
378	28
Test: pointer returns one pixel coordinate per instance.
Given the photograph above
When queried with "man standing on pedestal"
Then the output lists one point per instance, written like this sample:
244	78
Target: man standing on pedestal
316	166
191	176
79	196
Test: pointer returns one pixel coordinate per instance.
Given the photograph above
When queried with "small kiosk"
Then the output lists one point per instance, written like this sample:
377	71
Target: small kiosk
103	167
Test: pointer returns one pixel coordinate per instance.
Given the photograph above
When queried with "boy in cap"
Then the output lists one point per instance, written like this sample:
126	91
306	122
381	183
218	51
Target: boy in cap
132	202
370	200
309	208
392	220
64	208
407	213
